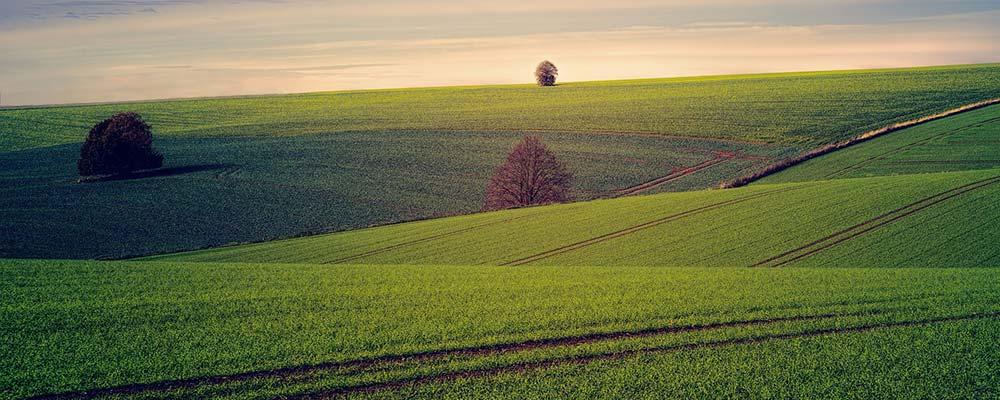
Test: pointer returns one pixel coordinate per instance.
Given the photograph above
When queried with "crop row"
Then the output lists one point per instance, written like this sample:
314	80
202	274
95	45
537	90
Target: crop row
70	326
739	227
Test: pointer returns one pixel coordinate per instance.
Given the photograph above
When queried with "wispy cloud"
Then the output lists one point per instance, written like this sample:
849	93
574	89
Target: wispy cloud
217	47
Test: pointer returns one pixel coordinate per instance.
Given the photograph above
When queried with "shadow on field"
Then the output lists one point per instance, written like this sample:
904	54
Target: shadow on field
187	169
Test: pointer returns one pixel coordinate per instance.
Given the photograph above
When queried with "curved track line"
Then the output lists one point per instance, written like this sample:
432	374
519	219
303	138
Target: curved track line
577	360
871	224
719	159
645	225
383	361
424	239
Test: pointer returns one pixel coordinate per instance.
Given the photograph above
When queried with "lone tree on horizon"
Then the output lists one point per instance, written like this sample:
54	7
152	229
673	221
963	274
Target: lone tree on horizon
531	175
118	145
546	73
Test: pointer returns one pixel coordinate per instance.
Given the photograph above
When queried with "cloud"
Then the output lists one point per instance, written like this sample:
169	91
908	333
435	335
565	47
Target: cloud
222	47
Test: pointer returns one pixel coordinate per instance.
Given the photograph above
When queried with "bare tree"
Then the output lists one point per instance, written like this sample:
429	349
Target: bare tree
546	73
531	175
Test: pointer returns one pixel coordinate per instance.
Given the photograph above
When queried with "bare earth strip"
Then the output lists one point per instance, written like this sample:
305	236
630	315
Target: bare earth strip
907	147
290	373
535	365
785	164
871	224
646	225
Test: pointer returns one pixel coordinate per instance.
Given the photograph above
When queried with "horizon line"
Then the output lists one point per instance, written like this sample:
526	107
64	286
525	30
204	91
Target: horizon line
332	91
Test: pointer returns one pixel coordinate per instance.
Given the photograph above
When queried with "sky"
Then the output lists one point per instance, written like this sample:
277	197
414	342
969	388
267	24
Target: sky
71	51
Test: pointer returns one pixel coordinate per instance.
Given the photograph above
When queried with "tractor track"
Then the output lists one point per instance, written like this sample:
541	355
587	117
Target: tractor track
862	228
579	360
424	239
719	158
645	225
290	373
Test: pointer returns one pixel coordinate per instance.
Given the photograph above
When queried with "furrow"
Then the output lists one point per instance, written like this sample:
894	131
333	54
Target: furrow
645	225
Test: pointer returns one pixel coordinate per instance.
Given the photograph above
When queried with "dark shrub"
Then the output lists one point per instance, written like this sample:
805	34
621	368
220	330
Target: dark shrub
531	175
120	144
545	73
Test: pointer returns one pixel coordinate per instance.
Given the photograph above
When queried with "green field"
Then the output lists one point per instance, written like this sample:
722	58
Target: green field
866	273
793	108
69	326
255	169
931	220
965	141
236	190
942	360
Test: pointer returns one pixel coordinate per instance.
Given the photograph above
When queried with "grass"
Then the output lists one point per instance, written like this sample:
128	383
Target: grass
947	360
422	309
272	167
931	220
77	325
802	109
965	141
236	190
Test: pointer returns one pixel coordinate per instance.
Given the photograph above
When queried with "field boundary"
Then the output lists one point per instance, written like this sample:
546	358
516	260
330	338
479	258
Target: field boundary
642	226
862	228
906	147
788	163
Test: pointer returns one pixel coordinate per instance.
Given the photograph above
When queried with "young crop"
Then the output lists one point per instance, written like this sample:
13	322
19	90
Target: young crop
829	223
155	329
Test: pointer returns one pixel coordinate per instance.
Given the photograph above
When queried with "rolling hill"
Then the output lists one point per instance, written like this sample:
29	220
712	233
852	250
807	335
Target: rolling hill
262	168
180	330
928	220
966	141
232	190
863	273
803	108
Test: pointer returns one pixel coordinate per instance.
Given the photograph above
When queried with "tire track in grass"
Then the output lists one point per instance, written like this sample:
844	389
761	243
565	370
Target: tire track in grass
645	225
425	239
720	157
579	360
907	147
288	373
871	224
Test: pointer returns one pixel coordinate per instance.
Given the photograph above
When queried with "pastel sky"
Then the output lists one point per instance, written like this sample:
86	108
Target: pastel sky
65	51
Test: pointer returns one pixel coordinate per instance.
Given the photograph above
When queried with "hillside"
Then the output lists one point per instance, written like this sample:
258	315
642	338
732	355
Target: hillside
232	190
794	108
254	169
177	330
927	220
966	141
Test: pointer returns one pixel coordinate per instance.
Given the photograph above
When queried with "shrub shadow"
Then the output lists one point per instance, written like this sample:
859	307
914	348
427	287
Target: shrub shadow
150	173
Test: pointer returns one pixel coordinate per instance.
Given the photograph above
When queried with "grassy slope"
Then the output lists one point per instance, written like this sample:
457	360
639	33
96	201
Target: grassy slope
962	142
263	188
276	181
796	108
948	360
768	220
70	325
